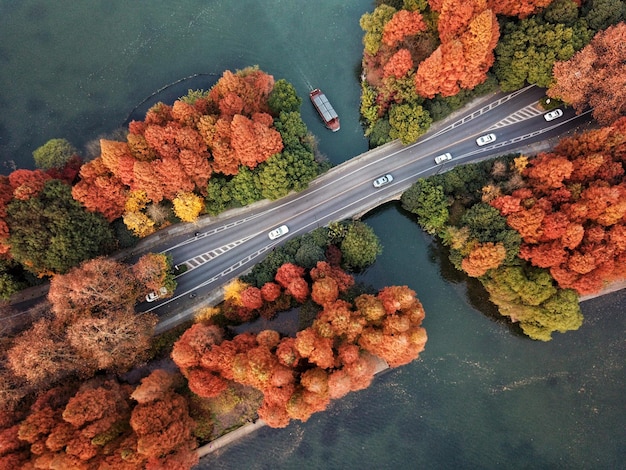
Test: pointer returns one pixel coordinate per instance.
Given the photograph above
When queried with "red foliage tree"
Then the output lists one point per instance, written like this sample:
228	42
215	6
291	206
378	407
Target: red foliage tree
568	212
482	258
100	191
194	344
287	273
519	8
252	298
402	24
253	141
270	291
398	65
96	286
163	426
27	183
595	76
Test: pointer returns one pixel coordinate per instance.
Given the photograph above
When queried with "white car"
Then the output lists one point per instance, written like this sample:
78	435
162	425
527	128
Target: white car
383	180
556	113
278	232
485	139
443	158
152	296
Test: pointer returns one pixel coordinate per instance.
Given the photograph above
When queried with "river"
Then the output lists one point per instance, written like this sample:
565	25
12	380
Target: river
481	395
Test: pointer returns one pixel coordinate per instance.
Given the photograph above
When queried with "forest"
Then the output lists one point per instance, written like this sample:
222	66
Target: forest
239	142
537	231
90	386
424	59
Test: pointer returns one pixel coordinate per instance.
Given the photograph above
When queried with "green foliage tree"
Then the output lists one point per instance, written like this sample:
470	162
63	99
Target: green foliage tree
52	233
360	246
292	129
428	201
379	133
528	49
561	11
218	195
600	14
309	253
284	98
245	186
54	154
528	296
373	24
408	122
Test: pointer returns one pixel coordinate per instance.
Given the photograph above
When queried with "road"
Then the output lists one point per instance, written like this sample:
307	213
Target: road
227	248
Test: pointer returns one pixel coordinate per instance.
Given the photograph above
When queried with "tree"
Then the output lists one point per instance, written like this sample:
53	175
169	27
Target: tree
402	24
600	14
521	9
594	76
100	191
429	203
42	356
188	206
528	50
399	64
52	232
97	286
55	153
163	426
373	24
408	122
482	258
139	223
115	341
283	98
360	246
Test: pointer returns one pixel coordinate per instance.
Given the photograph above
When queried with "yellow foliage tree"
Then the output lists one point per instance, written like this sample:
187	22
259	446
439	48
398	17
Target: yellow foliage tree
187	206
139	223
136	201
233	291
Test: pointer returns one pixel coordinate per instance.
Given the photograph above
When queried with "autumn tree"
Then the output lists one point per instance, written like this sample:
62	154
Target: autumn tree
402	24
188	206
41	355
594	77
95	287
55	153
99	190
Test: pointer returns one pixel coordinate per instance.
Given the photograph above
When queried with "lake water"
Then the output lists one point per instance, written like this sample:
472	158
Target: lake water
481	396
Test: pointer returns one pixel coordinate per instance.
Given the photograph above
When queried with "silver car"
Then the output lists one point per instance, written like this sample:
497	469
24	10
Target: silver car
278	232
556	113
485	139
443	158
383	180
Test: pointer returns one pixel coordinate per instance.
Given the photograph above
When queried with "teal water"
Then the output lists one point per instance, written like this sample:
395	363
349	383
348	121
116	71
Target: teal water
481	396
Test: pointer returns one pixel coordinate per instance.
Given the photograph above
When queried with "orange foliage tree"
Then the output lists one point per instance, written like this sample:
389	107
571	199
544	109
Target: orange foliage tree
573	211
403	23
595	76
299	376
469	34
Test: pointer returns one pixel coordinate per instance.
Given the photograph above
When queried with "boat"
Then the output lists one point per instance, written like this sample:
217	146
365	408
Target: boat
325	110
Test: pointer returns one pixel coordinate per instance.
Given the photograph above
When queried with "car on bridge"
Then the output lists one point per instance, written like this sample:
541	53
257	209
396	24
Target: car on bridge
485	139
443	158
382	181
278	232
152	296
552	115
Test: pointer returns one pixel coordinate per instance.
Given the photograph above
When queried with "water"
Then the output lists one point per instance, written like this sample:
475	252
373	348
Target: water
481	395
